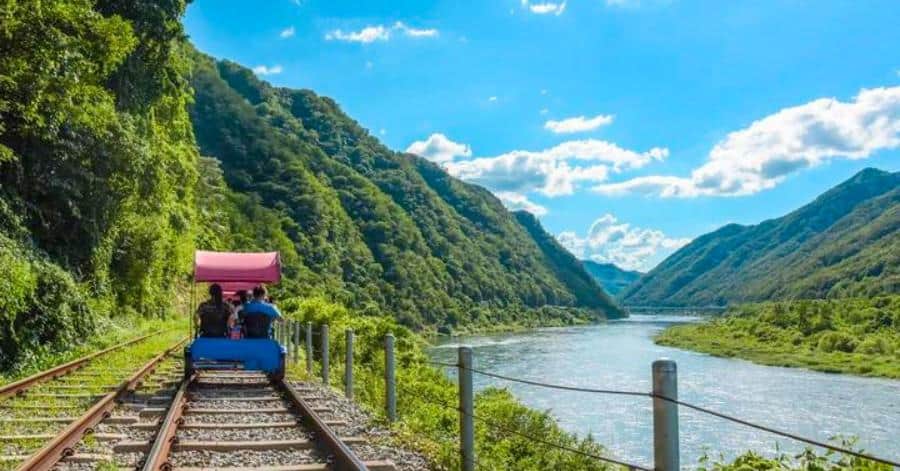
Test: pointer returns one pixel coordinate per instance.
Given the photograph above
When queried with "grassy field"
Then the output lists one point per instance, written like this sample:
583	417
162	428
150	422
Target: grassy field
855	336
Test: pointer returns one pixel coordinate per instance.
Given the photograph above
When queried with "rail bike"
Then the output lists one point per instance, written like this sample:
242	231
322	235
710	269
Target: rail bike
234	271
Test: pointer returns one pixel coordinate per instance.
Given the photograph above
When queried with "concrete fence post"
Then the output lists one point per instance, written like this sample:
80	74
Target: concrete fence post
466	411
348	366
325	354
665	416
390	381
309	350
296	335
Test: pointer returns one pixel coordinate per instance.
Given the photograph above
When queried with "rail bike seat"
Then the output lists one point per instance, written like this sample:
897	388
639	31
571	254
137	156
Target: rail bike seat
264	355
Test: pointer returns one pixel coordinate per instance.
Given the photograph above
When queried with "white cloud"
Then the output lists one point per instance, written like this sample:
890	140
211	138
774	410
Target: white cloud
373	33
517	201
609	240
552	171
544	111
578	124
762	155
287	32
367	35
438	148
265	70
545	8
415	32
492	99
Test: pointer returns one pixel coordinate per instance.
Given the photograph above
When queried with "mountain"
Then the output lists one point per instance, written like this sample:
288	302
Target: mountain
845	243
122	150
612	278
374	228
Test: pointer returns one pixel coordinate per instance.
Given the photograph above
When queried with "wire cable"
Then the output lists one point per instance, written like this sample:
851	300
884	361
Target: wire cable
559	386
778	432
704	410
507	430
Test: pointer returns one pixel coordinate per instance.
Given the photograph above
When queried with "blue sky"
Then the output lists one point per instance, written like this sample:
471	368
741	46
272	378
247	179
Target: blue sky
629	126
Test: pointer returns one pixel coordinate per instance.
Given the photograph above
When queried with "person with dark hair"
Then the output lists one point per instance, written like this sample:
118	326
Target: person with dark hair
258	315
215	315
243	297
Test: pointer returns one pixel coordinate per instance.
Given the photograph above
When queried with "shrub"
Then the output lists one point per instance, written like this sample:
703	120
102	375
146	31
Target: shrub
836	342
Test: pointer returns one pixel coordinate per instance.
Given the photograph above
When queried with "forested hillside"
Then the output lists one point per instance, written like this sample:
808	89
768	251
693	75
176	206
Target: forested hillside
612	278
845	243
97	167
104	193
376	229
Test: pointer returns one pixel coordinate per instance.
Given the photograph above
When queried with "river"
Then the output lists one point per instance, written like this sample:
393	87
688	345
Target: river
618	354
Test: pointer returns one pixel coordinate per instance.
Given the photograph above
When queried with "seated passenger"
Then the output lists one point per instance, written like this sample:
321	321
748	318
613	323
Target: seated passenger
258	315
243	299
215	315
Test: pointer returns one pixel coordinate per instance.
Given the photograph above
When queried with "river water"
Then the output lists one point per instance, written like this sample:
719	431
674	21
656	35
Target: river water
617	355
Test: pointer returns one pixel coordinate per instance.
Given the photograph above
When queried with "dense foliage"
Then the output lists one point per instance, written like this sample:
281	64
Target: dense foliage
426	399
612	278
97	166
860	336
375	229
845	243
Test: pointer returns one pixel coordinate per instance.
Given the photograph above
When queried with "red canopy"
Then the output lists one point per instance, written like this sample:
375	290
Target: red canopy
226	267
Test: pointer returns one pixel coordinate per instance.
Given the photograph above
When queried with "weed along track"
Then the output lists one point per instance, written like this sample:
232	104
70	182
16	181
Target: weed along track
233	419
41	416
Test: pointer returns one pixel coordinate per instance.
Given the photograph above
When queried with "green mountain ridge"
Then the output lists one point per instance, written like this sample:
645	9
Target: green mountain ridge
378	228
845	243
612	278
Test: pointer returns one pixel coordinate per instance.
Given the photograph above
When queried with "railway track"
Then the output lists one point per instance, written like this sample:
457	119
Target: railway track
23	385
243	420
39	426
230	420
63	419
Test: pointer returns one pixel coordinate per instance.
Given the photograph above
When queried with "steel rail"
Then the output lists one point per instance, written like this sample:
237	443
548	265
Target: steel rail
158	457
61	445
24	384
344	458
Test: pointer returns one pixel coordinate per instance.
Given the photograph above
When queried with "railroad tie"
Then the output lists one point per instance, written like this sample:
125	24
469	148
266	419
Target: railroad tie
39	420
67	395
267	410
128	446
103	437
77	387
121	419
252	425
371	465
38	407
86	458
195	398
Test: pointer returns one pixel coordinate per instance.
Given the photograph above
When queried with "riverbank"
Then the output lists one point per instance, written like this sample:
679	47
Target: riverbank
617	355
851	336
525	320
